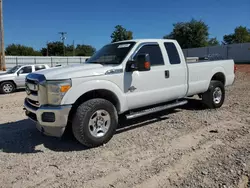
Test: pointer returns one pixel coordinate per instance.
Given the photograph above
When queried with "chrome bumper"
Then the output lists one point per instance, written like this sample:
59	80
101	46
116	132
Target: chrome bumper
54	126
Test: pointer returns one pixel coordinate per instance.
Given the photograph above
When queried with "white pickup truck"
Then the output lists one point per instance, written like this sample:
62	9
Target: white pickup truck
133	78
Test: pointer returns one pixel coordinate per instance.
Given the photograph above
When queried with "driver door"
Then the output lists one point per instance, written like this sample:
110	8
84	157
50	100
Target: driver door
143	88
21	75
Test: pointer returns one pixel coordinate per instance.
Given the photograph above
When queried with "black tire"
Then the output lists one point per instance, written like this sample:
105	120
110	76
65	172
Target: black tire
11	85
208	97
80	123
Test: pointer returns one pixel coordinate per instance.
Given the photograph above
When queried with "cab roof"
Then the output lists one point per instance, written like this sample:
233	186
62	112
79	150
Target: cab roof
146	40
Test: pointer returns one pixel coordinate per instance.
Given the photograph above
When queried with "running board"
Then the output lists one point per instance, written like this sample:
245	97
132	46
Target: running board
155	109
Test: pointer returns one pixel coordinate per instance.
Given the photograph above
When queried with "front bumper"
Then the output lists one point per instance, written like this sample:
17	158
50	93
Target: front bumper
51	120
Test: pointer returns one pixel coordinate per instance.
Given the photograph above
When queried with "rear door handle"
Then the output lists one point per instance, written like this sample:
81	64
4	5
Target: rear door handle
166	73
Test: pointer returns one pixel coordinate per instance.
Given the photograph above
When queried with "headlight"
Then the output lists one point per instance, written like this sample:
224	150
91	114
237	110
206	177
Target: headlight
56	90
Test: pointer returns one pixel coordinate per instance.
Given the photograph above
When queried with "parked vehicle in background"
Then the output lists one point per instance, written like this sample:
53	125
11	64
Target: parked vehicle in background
14	78
134	78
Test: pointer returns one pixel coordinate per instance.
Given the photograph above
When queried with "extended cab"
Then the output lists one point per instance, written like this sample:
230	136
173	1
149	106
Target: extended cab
133	78
14	78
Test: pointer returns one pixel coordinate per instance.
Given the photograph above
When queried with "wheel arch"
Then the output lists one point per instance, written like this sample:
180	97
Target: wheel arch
97	93
8	81
219	76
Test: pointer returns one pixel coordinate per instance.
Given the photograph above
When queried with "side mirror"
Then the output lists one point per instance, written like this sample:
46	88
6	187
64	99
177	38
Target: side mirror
141	63
18	73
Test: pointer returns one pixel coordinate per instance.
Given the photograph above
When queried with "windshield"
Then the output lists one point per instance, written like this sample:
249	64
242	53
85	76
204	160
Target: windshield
13	69
112	53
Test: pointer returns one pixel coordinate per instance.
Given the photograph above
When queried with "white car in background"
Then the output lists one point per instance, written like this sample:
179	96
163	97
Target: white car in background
14	78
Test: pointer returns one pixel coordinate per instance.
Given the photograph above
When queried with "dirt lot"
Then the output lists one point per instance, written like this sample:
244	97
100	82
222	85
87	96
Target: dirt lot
186	147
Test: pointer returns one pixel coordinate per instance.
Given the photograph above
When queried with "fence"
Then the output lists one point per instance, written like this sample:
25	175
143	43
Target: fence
51	61
240	53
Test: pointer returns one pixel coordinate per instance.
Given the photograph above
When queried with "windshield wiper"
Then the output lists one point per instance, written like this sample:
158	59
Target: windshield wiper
104	63
95	62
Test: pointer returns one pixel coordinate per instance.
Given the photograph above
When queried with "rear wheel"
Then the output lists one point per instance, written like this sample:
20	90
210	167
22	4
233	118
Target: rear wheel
95	122
215	95
7	87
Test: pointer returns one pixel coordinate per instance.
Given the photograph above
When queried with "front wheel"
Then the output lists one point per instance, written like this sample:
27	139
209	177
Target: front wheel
7	87
215	95
95	122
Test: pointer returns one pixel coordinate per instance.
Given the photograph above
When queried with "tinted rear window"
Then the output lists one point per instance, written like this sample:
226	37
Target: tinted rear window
172	52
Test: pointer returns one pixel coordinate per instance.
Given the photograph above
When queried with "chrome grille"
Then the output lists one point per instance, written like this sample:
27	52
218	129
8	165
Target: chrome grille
35	95
32	88
33	103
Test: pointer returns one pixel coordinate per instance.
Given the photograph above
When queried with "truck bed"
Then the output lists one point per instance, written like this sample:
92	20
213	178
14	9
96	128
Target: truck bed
201	72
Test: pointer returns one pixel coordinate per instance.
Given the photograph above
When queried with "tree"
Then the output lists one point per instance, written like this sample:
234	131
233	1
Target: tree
53	49
121	34
69	50
56	49
21	50
213	42
192	34
228	39
84	50
241	35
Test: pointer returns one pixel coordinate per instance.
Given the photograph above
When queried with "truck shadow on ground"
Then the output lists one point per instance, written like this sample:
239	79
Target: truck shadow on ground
194	104
23	137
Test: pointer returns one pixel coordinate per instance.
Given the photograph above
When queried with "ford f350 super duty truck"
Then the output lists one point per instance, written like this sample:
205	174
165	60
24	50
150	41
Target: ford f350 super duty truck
133	78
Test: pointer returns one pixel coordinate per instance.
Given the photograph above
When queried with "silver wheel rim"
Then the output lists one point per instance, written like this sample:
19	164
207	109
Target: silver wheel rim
217	95
99	123
7	88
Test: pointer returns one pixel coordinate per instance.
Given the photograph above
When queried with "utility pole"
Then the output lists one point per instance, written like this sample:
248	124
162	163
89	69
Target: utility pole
47	48
2	63
63	37
73	48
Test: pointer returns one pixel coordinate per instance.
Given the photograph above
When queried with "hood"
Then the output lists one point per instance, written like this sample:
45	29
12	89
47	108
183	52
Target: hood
4	76
74	71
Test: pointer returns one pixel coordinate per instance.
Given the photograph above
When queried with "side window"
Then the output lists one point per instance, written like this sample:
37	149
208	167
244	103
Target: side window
154	52
39	67
25	70
172	52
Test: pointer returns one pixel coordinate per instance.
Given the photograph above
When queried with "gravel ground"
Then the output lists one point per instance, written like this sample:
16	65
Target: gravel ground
185	147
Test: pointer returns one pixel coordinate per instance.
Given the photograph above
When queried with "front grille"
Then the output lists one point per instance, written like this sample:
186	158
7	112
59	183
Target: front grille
31	81
33	103
36	90
32	92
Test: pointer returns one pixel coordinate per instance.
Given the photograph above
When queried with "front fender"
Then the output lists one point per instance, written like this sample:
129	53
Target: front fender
78	90
7	79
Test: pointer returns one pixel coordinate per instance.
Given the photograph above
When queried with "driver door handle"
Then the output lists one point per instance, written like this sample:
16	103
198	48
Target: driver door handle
167	74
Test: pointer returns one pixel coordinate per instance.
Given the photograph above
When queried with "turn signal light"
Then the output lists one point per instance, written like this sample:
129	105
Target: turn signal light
147	65
65	88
